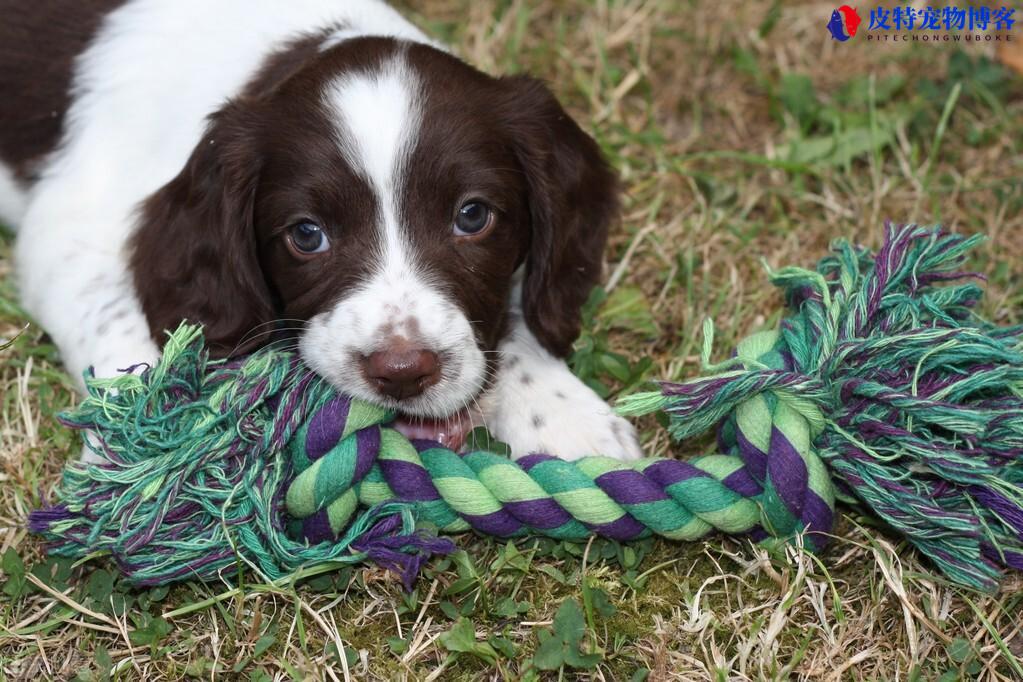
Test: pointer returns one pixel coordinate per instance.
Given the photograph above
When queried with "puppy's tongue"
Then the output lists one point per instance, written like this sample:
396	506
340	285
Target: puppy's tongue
450	431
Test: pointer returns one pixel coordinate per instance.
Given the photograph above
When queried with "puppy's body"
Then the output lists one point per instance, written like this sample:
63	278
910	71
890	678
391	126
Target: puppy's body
166	161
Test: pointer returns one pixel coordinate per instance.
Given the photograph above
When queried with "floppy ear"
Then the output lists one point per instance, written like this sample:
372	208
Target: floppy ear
573	197
194	255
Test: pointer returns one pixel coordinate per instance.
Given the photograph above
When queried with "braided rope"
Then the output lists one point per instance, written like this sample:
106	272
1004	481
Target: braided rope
344	457
880	386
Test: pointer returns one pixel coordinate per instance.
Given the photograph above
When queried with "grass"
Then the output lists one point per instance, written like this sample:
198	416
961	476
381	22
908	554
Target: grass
742	132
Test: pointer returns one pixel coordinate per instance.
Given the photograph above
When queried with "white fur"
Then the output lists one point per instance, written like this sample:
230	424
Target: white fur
536	404
142	92
378	119
13	198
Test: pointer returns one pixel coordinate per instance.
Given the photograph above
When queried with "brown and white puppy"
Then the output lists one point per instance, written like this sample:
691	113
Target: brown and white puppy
311	172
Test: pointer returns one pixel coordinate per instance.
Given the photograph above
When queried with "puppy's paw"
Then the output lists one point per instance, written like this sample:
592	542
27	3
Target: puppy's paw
555	413
89	456
90	447
573	433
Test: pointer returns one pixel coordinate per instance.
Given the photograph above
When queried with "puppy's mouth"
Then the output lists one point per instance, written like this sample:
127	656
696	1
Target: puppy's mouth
451	431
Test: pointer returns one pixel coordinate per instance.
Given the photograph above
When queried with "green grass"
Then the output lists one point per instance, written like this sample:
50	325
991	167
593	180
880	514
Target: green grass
741	132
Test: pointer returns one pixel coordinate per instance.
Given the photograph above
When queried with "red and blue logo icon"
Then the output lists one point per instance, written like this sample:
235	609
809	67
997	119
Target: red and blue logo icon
844	23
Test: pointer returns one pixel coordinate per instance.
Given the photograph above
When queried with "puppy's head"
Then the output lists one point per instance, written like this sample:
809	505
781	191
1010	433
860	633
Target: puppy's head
378	198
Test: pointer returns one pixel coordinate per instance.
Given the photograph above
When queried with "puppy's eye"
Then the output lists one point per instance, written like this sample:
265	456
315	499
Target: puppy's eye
473	218
308	238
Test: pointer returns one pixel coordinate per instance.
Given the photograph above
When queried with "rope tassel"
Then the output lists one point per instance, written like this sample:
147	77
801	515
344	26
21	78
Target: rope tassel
882	388
913	403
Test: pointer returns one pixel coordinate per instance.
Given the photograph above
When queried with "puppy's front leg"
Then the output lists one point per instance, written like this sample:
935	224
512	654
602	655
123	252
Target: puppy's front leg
536	404
81	294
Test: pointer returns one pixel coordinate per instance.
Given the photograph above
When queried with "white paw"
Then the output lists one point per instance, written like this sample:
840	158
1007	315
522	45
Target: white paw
107	369
89	456
553	412
89	453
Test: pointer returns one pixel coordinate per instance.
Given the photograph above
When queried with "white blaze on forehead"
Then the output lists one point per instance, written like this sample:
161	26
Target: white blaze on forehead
377	116
377	119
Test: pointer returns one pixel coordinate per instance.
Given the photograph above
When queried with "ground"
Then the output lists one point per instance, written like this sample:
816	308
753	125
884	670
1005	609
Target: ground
744	135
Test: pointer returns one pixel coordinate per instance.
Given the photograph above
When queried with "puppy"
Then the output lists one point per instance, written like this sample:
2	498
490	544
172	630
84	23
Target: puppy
316	173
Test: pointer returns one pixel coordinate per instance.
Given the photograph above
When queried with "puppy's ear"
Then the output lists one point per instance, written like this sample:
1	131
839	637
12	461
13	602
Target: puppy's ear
573	198
195	255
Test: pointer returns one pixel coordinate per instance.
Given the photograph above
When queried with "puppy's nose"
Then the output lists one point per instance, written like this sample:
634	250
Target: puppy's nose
401	370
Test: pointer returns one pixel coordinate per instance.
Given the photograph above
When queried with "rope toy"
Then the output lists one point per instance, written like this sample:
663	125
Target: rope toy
881	388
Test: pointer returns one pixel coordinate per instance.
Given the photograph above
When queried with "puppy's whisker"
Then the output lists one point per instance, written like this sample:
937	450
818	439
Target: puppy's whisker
267	333
510	353
282	345
272	323
255	333
483	414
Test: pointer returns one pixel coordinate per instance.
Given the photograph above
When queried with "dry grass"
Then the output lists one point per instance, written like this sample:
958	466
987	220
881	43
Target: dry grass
697	104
